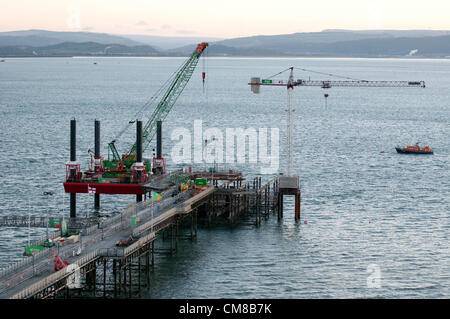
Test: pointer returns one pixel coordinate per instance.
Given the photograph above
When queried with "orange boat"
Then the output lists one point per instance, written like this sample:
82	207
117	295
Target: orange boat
414	149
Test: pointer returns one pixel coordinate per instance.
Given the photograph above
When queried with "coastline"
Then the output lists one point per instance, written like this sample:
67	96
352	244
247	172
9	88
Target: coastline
234	56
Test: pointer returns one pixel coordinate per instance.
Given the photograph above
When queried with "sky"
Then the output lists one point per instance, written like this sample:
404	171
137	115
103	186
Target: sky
222	19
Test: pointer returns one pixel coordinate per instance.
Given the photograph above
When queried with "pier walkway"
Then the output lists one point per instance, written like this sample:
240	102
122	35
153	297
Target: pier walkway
26	279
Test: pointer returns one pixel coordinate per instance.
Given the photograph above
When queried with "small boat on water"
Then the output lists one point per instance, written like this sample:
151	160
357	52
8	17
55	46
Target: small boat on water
414	149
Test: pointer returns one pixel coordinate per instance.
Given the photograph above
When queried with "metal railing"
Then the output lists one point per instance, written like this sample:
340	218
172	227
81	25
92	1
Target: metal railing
25	221
36	265
23	262
31	290
55	233
41	262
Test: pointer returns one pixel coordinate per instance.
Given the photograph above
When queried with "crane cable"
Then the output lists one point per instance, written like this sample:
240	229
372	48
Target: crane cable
329	74
277	74
306	70
205	71
149	102
158	93
205	61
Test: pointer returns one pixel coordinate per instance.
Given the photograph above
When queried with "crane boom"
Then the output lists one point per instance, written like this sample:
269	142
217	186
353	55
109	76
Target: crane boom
170	97
163	108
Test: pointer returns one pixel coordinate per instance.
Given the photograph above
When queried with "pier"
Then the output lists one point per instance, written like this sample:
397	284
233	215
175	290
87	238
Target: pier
113	257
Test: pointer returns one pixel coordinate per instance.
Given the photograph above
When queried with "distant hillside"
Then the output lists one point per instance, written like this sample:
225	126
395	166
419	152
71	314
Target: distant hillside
168	43
397	33
79	49
215	49
285	41
431	47
346	43
328	43
41	38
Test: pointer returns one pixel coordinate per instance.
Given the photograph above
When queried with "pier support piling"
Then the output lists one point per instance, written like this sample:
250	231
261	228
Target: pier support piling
73	158
289	185
159	139
97	157
139	150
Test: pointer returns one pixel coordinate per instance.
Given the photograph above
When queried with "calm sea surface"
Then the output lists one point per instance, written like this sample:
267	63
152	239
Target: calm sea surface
367	213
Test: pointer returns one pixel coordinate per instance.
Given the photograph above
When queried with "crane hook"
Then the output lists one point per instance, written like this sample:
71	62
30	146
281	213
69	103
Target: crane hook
203	78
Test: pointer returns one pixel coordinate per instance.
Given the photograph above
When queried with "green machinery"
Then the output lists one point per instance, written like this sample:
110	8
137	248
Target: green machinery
174	89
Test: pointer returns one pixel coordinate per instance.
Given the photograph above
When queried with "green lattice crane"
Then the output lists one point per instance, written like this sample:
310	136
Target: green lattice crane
163	108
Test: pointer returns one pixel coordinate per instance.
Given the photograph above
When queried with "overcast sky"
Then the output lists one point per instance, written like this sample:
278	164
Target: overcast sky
226	18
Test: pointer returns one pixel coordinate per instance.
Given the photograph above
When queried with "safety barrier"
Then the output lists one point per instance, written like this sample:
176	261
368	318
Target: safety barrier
31	290
93	234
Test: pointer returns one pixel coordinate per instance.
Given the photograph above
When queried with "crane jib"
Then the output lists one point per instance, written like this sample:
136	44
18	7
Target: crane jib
329	84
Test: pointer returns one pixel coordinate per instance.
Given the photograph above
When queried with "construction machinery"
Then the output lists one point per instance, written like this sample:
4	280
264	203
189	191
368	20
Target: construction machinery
256	82
174	87
289	184
128	173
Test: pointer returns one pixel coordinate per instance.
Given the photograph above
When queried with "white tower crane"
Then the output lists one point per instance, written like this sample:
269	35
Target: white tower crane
325	84
289	183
